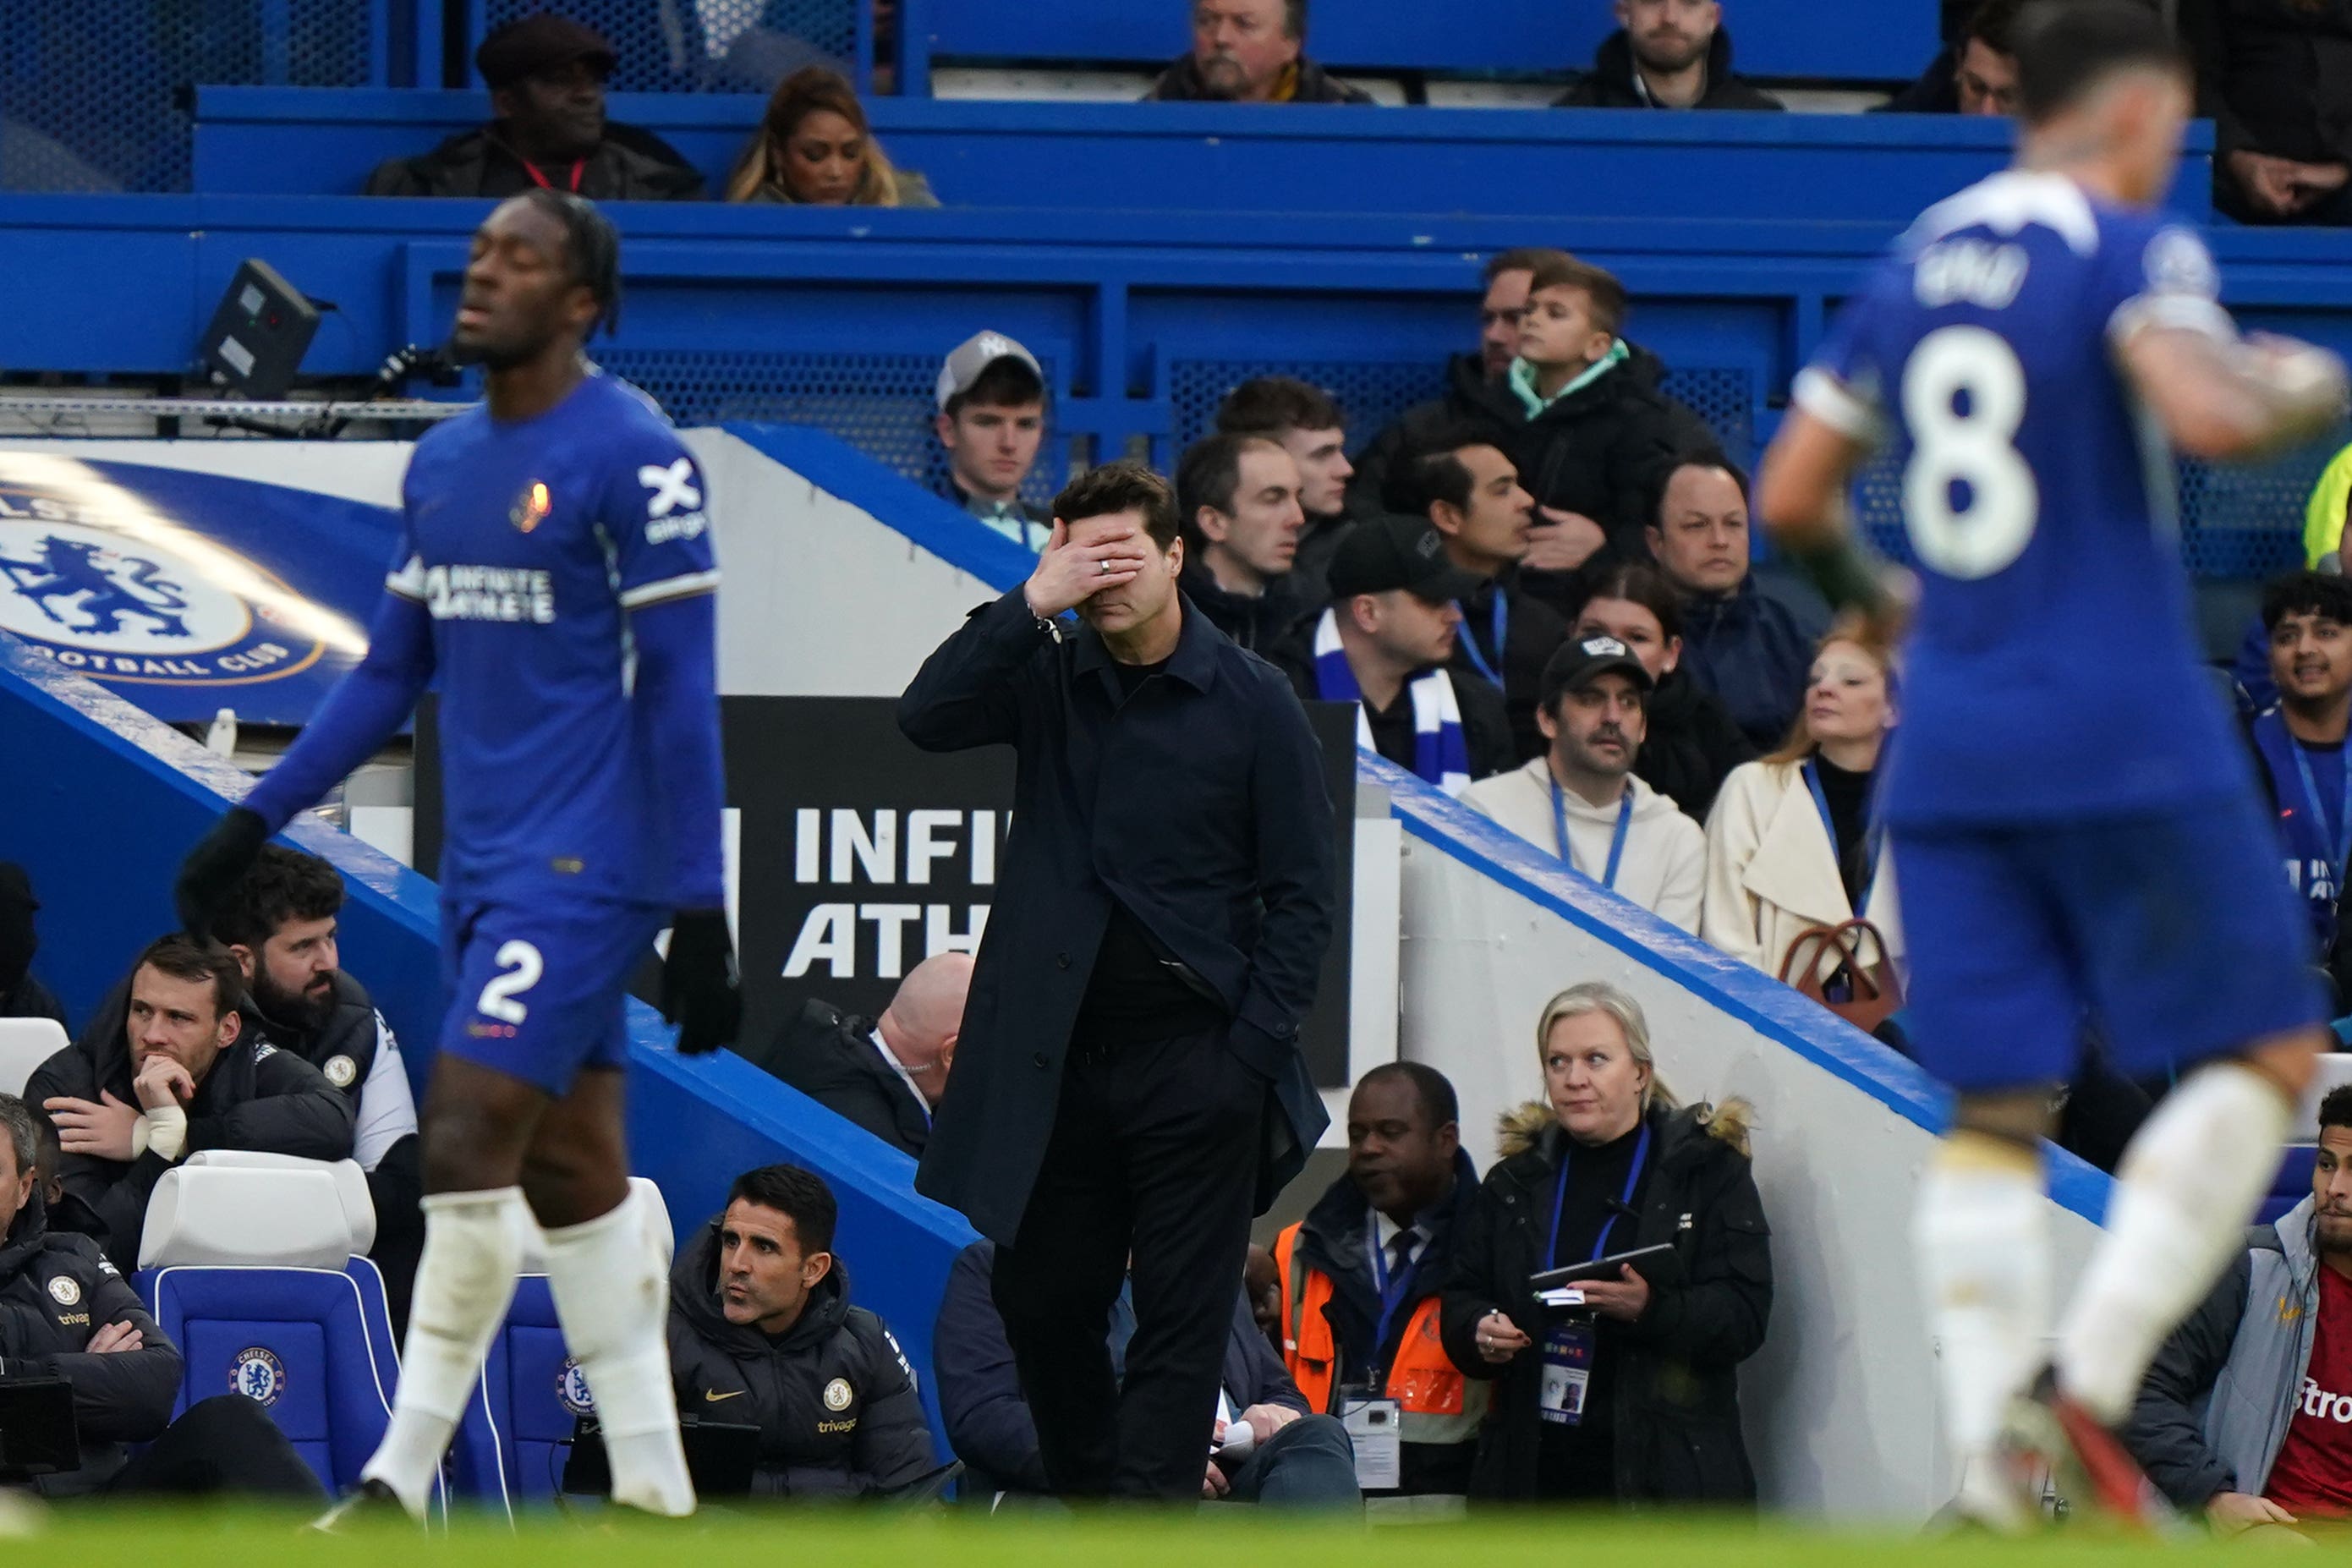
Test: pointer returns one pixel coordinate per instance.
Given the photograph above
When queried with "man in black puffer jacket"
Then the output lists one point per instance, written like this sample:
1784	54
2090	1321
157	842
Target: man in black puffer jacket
761	1332
66	1313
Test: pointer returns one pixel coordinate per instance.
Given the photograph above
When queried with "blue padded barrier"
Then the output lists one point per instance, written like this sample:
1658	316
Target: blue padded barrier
313	1346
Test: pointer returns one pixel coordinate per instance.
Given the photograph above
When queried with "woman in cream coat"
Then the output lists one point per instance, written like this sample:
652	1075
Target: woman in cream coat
1788	844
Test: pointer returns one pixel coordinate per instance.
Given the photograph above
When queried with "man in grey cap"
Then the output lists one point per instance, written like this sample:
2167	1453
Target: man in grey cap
1383	644
546	76
992	421
1580	801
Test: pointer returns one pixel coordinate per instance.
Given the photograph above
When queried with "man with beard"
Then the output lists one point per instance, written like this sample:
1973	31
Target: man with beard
1250	52
280	927
2307	618
2246	1414
546	76
1666	54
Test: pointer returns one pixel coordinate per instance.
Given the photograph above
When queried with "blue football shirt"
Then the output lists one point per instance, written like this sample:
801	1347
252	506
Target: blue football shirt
2052	673
528	544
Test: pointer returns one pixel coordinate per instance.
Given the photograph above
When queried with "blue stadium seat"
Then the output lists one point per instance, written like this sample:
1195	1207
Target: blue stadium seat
2291	1185
511	1440
313	1346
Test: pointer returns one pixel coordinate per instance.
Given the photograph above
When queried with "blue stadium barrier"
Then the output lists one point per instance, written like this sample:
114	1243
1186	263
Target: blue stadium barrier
838	317
1883	40
1219	158
100	803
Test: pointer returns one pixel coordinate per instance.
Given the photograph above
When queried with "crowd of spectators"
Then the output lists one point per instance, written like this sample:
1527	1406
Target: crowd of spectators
2274	76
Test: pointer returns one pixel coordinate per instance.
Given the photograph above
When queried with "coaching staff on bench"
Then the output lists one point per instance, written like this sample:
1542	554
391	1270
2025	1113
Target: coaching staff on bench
1128	1077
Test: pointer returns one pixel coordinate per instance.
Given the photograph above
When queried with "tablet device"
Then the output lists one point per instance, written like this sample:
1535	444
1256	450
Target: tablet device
37	1435
721	1457
1661	1265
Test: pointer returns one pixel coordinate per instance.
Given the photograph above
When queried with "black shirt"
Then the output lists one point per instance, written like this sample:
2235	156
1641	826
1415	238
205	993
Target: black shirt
1580	1461
1848	796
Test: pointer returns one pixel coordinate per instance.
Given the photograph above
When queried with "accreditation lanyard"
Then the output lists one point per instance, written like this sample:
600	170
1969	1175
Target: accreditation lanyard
1616	840
579	165
1559	1198
2319	813
1873	837
1392	1291
1502	624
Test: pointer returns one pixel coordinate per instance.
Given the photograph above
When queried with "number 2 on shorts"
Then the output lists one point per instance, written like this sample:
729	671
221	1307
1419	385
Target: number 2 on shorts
521	967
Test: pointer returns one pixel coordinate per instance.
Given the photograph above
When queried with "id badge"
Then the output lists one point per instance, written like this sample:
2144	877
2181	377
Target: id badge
1376	1428
1567	1374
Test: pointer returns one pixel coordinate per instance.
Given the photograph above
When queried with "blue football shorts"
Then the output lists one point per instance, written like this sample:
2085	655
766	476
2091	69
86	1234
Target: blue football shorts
2176	930
540	992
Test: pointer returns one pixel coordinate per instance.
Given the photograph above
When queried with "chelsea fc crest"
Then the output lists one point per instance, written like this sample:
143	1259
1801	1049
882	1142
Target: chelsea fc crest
341	1072
258	1375
64	1292
137	598
836	1395
572	1389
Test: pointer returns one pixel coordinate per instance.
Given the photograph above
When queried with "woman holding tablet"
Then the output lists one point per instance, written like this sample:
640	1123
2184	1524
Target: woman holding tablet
1622	1385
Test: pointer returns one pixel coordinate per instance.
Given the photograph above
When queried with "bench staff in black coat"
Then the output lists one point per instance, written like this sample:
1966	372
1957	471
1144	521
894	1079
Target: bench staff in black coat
1128	1077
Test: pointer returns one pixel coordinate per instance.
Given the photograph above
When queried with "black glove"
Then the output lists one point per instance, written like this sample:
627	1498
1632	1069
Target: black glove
701	990
215	865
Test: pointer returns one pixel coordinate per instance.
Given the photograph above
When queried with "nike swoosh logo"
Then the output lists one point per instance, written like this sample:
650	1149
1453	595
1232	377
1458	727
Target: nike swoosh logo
712	1397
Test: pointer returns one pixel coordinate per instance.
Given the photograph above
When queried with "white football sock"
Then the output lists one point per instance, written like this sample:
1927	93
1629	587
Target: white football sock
1981	1235
473	1244
2184	1193
612	1299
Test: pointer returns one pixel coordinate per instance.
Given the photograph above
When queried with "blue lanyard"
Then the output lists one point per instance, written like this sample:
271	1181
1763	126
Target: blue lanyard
1873	838
1393	1293
2311	795
1617	841
1560	1197
1502	622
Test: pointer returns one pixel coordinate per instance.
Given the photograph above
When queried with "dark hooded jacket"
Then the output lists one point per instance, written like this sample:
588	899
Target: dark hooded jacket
1753	650
1257	623
629	164
1181	84
833	1395
1691	745
1676	1412
1331	1242
1535	632
56	1291
255	1097
831	1057
1611	83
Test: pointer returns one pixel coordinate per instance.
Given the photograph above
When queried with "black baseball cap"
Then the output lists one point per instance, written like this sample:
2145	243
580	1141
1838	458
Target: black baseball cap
1577	664
540	42
1381	553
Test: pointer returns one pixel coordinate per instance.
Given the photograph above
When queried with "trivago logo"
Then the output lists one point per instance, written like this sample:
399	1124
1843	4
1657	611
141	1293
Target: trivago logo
143	608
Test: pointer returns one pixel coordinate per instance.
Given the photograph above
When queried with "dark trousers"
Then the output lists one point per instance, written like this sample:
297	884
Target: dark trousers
1153	1152
1310	1463
227	1444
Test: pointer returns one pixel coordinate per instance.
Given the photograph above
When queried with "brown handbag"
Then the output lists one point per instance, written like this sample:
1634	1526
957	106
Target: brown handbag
1864	994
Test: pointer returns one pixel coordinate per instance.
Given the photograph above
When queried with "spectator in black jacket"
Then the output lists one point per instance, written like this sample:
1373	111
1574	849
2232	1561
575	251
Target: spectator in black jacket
2243	1416
2276	78
1461	482
1632	1397
1250	52
546	76
1978	75
1693	744
280	924
173	1072
1238	497
1753	649
1311	427
1477	385
1296	1459
761	1332
66	1312
886	1074
1596	433
21	995
1666	54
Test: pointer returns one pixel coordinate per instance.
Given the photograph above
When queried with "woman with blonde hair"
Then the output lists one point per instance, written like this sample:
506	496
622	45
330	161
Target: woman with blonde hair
1634	1396
814	148
1791	844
